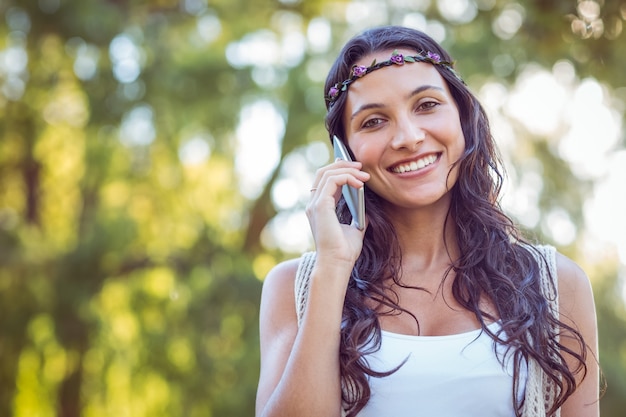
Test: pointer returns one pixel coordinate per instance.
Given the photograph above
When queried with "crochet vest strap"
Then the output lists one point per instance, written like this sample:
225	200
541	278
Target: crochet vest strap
540	390
303	279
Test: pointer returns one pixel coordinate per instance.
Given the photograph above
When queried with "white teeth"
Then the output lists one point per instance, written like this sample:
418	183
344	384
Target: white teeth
415	165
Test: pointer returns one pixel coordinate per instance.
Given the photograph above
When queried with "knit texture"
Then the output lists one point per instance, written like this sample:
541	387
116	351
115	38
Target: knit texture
540	392
303	279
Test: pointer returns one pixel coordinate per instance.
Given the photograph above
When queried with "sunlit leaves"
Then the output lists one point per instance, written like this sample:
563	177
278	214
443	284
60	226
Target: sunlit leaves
33	396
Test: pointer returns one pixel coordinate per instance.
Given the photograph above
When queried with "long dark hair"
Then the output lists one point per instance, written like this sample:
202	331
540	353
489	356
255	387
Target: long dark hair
495	260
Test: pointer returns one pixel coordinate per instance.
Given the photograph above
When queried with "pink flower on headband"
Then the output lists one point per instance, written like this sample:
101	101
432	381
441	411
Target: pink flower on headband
359	70
434	57
333	92
397	58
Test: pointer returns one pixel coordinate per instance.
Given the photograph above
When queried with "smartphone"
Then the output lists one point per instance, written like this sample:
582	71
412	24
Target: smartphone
355	197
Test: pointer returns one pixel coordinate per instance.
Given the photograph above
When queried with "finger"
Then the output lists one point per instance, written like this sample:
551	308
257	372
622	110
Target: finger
331	185
352	176
339	163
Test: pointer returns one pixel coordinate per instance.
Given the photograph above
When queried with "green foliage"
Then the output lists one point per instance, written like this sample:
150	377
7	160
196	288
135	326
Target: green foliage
129	275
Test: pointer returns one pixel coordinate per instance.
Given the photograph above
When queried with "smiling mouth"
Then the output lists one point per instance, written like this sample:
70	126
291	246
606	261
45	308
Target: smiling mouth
414	165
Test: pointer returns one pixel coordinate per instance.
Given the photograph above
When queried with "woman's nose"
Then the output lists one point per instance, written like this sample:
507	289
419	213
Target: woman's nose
407	135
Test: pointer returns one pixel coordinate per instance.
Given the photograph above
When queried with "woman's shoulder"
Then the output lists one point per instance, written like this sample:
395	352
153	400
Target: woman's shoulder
278	305
573	286
569	274
282	275
575	290
283	278
571	280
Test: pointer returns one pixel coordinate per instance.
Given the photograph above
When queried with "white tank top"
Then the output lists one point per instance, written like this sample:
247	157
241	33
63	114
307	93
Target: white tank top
443	376
455	375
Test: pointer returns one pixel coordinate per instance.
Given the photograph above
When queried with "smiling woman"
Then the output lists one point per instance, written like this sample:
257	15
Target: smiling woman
441	285
387	123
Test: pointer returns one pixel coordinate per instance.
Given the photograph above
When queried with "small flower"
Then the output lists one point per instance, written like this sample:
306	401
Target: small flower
434	57
358	71
397	58
333	92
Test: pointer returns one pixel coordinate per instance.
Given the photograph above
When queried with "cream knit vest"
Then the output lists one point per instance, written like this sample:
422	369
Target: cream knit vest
540	392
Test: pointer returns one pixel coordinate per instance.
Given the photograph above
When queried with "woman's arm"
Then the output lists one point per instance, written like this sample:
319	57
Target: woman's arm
299	366
577	309
300	373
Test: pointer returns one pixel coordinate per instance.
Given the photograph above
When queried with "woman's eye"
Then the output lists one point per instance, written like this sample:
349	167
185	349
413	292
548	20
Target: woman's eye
427	105
372	122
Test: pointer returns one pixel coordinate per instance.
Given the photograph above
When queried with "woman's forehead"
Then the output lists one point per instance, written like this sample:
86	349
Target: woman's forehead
397	78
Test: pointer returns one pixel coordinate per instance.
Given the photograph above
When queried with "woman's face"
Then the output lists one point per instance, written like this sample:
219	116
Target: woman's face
403	125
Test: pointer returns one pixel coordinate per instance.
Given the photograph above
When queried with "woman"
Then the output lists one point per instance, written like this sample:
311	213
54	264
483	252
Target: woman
439	307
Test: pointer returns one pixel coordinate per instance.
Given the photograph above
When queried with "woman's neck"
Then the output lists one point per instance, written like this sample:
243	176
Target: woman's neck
427	237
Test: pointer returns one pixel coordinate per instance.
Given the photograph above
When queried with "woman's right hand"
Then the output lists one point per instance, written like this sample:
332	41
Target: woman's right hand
300	363
333	240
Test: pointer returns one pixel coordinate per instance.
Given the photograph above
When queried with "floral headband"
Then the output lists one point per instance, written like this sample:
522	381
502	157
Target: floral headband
397	58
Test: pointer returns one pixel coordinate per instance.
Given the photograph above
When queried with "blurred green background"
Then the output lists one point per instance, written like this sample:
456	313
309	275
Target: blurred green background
156	156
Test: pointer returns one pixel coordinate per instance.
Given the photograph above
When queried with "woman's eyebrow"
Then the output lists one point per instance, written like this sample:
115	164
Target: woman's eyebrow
423	88
364	107
413	93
